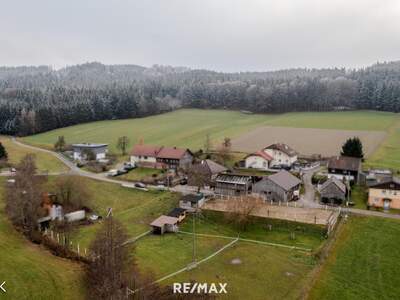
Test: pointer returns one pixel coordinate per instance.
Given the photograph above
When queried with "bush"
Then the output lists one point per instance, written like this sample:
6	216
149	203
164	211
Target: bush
318	179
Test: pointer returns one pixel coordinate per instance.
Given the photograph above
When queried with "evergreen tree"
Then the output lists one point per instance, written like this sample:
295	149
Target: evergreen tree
353	147
3	152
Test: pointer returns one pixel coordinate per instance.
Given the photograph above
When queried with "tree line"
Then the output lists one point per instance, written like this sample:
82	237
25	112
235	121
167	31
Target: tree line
38	99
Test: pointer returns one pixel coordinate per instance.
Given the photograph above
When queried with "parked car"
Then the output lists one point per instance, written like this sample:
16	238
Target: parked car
113	172
161	187
122	171
140	185
129	166
183	181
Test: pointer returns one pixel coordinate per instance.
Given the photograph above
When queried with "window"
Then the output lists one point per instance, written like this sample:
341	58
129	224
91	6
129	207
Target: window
145	157
264	164
383	191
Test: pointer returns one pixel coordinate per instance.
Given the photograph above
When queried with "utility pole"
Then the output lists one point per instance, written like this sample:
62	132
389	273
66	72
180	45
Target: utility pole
194	235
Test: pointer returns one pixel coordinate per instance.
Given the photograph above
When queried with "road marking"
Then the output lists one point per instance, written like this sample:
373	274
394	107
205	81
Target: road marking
2	287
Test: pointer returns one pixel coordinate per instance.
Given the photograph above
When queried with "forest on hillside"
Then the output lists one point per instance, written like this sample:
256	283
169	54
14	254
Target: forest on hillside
38	99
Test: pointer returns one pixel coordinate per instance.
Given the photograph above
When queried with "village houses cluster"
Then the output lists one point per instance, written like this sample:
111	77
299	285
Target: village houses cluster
277	174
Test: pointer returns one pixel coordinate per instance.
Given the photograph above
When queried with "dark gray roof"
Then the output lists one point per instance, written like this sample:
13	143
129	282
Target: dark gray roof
214	167
192	198
176	212
345	163
285	180
283	148
233	179
390	184
333	180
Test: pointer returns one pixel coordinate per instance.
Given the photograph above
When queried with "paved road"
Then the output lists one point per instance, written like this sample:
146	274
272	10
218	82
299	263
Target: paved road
74	170
308	199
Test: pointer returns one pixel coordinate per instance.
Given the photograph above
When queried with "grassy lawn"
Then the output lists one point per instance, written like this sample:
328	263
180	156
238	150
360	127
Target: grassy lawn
359	195
44	161
134	208
140	174
388	154
364	263
31	272
263	272
306	236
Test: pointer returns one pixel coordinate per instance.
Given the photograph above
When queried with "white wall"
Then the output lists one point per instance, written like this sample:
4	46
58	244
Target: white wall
256	162
139	159
280	158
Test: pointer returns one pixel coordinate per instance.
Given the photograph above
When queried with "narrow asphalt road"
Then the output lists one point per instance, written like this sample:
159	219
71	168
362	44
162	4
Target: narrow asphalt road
308	199
74	170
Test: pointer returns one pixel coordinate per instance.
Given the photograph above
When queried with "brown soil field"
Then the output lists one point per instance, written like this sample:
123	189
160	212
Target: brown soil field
306	141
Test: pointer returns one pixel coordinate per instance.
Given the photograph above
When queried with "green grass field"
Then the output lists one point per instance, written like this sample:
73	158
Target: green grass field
140	174
44	161
31	272
189	127
364	263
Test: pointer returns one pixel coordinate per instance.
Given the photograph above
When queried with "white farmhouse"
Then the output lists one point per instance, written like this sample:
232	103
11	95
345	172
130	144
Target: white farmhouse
258	160
81	151
281	154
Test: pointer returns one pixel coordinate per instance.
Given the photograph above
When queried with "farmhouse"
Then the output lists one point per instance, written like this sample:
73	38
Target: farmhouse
345	167
233	185
207	168
258	160
333	191
165	224
282	186
385	194
191	202
281	154
159	157
82	151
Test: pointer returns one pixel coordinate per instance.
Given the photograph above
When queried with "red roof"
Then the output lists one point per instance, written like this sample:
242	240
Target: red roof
171	152
145	150
159	152
261	154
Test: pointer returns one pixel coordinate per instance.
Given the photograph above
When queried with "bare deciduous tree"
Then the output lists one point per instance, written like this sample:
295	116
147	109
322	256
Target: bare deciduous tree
106	275
72	192
240	210
24	197
122	144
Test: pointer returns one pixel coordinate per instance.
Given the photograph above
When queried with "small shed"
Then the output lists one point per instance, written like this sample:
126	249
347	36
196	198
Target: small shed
191	202
179	213
233	184
333	191
165	224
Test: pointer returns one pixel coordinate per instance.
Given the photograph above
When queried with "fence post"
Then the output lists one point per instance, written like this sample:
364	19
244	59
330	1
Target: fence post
58	238
315	219
78	249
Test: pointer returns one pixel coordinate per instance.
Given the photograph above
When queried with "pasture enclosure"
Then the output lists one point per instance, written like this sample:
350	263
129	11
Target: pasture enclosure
284	211
306	141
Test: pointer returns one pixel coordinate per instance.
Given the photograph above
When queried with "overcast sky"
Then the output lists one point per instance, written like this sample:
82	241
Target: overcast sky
223	35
